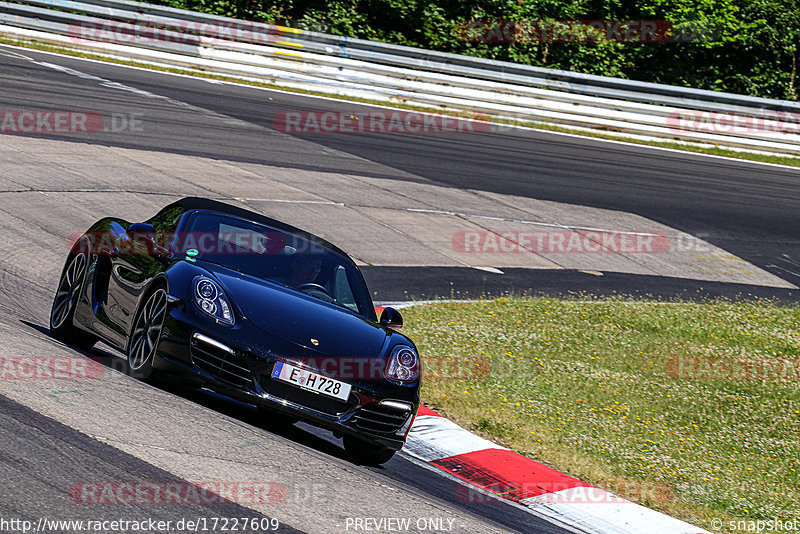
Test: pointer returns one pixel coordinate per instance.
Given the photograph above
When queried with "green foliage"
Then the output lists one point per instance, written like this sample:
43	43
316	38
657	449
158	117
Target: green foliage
741	46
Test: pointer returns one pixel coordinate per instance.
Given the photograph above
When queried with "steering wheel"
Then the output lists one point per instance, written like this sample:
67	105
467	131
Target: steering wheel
315	289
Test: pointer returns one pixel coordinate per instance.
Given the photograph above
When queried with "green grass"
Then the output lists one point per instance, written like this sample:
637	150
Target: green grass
612	392
599	134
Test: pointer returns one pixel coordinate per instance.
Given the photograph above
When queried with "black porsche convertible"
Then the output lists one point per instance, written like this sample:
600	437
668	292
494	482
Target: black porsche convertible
249	307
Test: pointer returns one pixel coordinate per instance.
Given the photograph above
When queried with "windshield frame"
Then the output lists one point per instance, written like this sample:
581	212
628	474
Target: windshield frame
355	278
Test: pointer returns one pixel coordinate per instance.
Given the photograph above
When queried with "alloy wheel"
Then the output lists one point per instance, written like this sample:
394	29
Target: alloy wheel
68	288
147	330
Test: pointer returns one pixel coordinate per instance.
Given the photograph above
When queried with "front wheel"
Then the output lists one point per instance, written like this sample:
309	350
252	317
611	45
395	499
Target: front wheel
146	334
66	300
366	453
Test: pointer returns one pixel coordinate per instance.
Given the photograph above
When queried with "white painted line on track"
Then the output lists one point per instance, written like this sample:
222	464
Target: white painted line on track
325	202
524	221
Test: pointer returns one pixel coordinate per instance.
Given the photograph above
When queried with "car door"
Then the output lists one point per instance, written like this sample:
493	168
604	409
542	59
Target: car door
134	263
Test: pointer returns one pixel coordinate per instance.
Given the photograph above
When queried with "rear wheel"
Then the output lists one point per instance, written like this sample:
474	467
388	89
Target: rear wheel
146	334
366	453
65	301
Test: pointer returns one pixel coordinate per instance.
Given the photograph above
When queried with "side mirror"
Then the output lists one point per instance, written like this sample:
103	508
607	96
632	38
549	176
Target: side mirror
141	229
391	318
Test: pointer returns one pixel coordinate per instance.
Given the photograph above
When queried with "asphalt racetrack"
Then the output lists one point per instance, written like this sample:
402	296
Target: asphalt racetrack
746	209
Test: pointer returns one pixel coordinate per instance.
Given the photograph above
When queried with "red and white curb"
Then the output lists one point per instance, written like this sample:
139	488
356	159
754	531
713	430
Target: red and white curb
548	493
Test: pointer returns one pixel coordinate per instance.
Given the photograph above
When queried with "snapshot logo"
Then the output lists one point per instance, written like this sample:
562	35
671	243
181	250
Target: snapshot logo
375	122
49	368
734	368
768	123
575	31
559	242
615	492
179	492
64	122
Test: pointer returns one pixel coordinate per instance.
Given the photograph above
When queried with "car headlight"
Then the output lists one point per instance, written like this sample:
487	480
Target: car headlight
211	300
403	365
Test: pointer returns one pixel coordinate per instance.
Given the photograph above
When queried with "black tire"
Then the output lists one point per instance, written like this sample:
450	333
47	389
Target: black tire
70	285
366	453
146	334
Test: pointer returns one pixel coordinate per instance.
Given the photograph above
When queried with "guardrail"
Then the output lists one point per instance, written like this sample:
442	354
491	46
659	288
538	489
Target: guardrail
338	65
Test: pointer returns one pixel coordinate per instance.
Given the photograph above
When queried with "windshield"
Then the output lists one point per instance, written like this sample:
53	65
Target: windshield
280	257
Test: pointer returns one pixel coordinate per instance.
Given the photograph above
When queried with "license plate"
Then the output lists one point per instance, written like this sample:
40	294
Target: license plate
311	381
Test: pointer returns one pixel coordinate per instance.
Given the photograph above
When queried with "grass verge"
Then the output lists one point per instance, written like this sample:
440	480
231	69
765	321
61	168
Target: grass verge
700	149
695	404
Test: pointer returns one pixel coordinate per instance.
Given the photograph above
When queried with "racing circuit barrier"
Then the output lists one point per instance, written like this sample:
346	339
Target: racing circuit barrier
301	59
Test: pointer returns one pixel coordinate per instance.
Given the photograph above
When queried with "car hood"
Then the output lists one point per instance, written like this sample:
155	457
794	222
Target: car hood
298	318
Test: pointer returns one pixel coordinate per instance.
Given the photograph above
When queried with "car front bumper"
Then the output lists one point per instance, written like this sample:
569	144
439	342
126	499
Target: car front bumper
215	356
